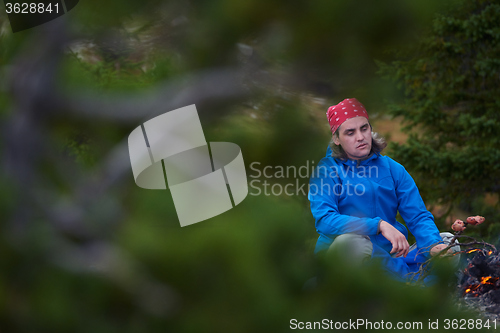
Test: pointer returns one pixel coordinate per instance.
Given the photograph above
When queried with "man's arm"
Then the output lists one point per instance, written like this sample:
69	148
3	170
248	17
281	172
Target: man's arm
324	189
435	250
399	242
418	219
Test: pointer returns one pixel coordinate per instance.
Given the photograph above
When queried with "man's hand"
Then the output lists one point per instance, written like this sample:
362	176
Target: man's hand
438	248
399	243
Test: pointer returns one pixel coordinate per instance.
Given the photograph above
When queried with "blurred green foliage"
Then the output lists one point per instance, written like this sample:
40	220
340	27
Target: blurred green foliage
133	268
451	85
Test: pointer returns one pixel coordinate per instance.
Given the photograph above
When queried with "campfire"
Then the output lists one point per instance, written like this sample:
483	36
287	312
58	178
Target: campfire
479	282
480	276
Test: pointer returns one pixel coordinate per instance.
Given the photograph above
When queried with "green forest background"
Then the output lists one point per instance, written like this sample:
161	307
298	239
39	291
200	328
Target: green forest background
83	249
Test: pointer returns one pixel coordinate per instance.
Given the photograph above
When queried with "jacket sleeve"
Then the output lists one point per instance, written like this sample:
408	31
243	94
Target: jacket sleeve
325	188
412	209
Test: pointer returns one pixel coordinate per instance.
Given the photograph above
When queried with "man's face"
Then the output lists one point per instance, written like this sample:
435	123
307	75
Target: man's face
355	137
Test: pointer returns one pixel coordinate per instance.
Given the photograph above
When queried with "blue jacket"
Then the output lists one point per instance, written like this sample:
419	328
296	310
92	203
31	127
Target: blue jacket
354	196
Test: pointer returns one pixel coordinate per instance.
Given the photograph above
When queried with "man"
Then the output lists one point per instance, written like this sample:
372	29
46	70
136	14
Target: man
355	194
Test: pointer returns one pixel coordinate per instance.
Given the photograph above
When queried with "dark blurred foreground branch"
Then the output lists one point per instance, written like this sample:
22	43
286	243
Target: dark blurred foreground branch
36	100
210	86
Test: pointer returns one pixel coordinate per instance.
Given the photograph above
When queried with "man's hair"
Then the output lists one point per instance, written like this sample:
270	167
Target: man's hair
378	144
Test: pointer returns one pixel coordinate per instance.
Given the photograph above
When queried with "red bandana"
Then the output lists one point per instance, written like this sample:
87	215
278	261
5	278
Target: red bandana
347	109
